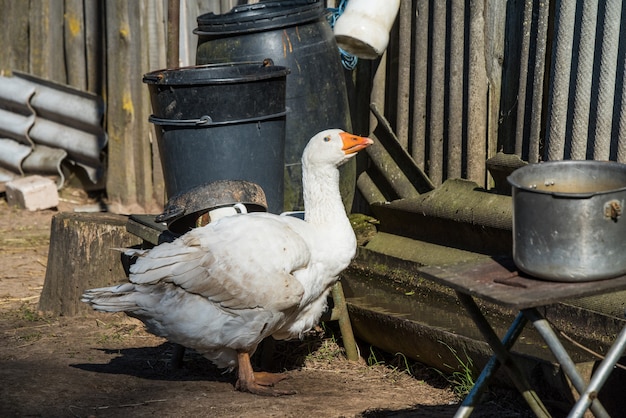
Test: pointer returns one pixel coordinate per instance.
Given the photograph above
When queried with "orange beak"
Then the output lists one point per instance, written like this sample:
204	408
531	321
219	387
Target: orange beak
353	144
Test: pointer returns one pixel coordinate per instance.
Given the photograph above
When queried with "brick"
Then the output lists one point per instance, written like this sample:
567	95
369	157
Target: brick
32	193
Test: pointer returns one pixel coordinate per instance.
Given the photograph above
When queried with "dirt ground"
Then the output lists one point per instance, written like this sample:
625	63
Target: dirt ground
108	366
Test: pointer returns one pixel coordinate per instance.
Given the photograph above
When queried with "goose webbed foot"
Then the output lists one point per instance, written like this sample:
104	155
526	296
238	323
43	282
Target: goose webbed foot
259	383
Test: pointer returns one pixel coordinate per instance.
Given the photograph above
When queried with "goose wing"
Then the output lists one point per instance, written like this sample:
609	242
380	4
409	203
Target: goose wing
238	262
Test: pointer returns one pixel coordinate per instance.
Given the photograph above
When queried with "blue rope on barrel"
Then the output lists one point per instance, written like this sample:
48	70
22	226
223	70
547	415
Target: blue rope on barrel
348	60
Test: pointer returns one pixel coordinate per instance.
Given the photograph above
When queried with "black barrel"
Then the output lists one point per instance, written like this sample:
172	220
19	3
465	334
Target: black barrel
294	34
221	122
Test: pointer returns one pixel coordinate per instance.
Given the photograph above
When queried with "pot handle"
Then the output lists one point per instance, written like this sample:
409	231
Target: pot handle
613	209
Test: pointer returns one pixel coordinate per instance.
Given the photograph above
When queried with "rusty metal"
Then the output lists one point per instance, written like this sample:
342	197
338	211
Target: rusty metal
185	210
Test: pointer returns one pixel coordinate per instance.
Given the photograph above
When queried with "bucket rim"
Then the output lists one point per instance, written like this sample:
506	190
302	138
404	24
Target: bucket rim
201	74
259	17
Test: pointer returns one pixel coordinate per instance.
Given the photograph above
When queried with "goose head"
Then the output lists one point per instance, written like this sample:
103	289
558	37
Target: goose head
333	147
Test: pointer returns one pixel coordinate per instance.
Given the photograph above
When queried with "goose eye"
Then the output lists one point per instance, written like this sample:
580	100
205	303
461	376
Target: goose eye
326	138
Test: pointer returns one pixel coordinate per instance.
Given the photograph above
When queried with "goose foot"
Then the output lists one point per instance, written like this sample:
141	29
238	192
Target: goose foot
259	383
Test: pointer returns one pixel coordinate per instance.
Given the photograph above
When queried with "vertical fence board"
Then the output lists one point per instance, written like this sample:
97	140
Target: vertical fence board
495	16
14	35
559	86
454	117
437	84
537	103
582	95
94	46
46	40
477	96
404	73
420	88
129	180
74	38
606	89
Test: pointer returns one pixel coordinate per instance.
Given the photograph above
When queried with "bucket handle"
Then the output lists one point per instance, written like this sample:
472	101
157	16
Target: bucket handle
207	121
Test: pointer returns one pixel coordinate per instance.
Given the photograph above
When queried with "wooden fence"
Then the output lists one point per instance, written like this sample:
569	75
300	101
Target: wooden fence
460	81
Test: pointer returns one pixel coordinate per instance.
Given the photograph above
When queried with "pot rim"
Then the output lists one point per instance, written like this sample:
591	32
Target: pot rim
515	178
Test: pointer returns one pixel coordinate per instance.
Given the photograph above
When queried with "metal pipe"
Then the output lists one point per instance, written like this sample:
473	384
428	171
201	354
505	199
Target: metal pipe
582	96
559	91
606	89
543	328
600	376
492	366
518	378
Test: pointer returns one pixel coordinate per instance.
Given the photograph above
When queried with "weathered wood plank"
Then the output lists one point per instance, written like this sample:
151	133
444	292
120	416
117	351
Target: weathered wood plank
129	180
74	37
14	35
46	40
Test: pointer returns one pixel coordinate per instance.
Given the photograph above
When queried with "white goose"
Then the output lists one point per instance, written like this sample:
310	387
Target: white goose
224	287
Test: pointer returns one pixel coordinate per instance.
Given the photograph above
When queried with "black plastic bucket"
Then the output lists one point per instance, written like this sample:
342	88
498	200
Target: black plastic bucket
221	122
294	34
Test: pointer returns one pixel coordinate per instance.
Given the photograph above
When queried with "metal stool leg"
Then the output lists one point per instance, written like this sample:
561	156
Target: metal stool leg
545	330
612	357
472	398
504	357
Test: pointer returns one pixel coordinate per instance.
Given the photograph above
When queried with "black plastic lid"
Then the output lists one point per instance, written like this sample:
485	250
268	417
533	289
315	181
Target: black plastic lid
261	16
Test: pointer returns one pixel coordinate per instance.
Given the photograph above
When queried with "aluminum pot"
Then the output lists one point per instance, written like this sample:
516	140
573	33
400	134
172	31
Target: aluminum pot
568	224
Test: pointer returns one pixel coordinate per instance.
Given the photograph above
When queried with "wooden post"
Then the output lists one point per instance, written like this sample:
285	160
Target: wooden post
82	256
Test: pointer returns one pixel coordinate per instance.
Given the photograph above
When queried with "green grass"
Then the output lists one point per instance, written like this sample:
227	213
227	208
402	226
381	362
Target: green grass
462	378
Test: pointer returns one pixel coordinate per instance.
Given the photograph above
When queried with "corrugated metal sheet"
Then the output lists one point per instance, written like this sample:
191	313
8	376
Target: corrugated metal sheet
43	124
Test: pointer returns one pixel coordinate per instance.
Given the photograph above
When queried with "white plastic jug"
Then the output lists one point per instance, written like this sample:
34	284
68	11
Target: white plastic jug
363	28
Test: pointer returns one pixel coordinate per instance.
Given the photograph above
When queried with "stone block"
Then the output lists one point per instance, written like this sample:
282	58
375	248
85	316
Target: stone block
32	193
